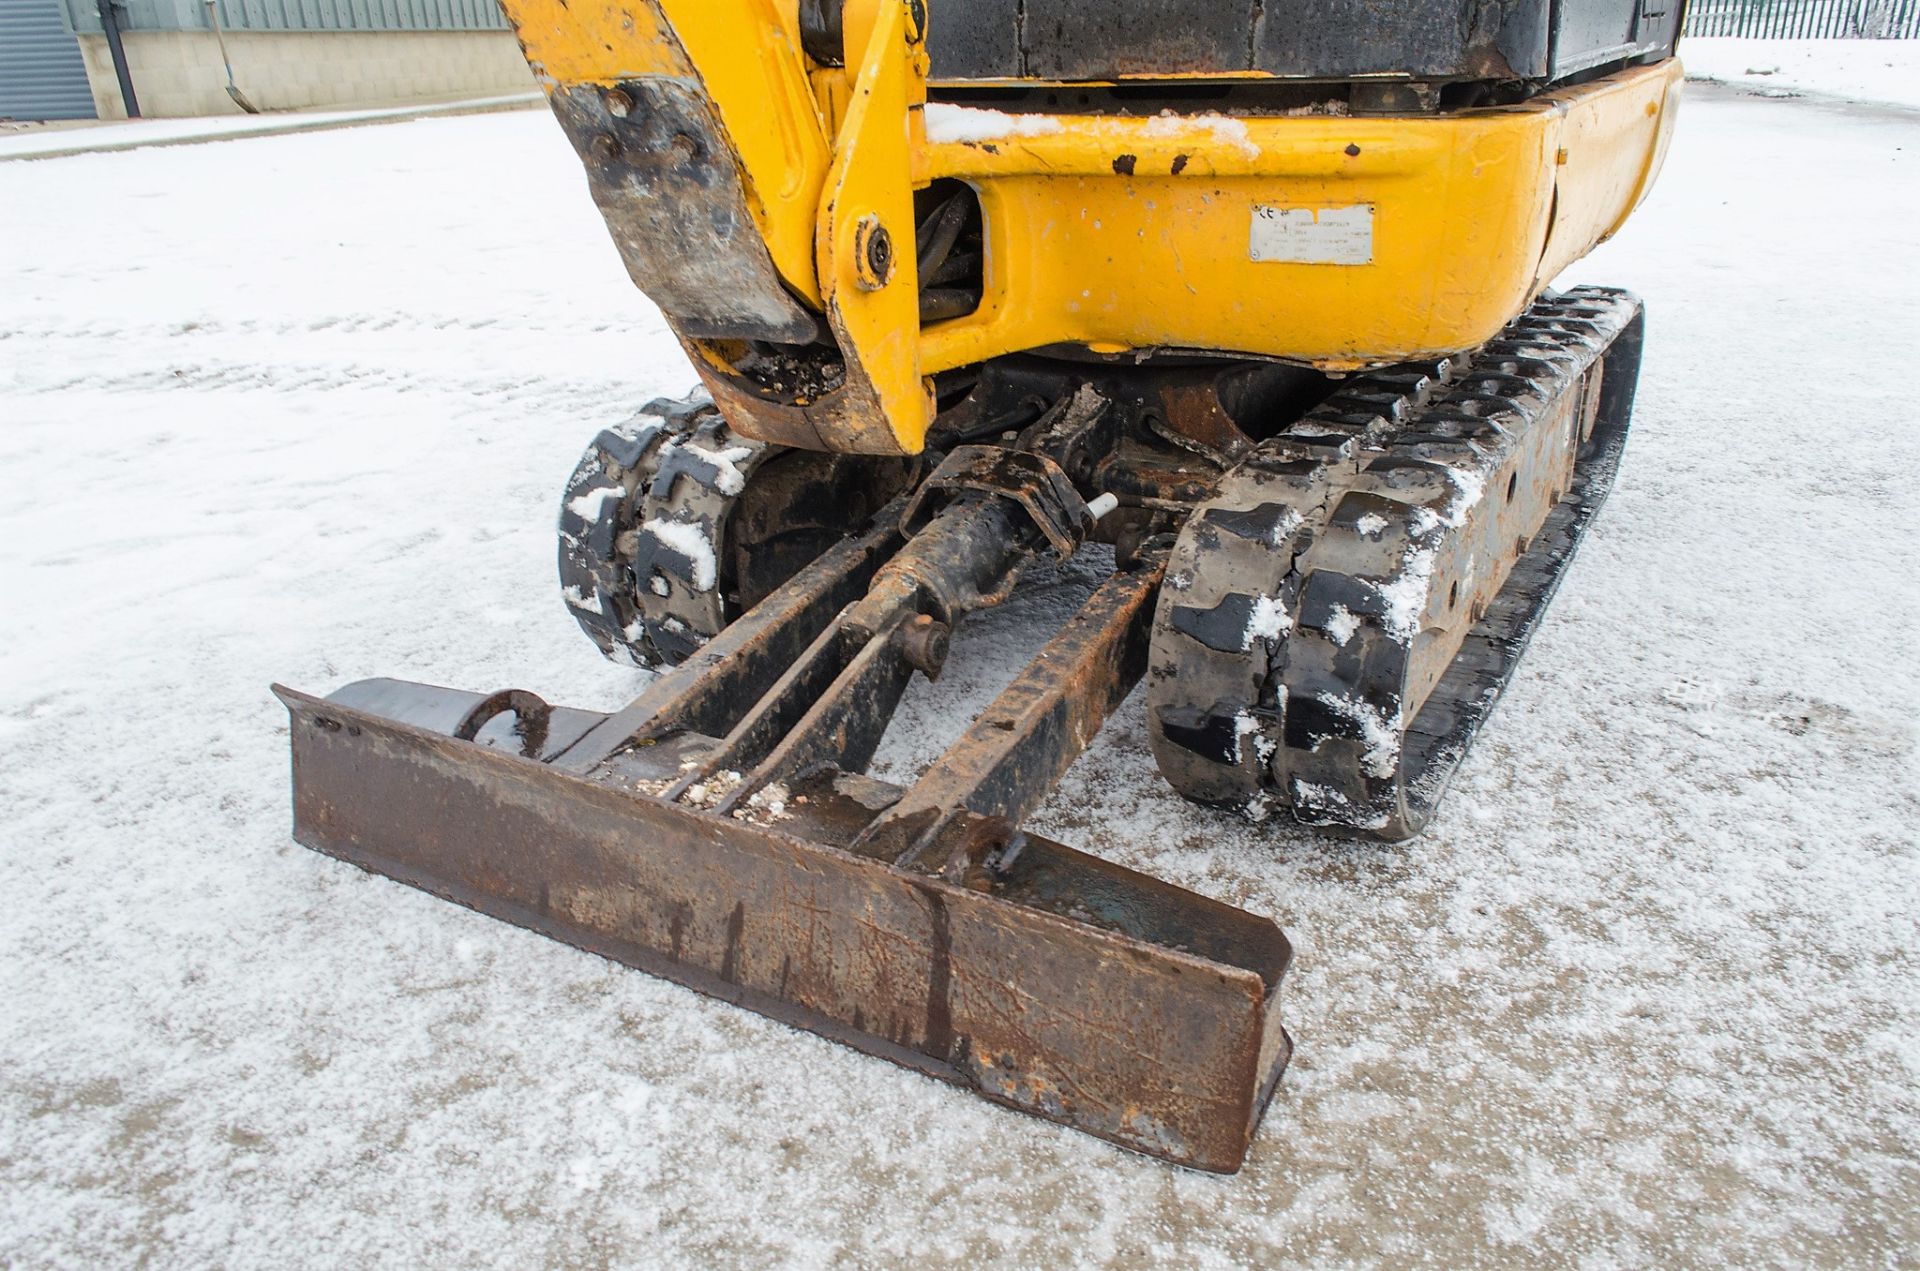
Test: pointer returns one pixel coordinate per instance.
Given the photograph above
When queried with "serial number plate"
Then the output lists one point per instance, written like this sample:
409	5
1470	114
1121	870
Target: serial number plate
1313	235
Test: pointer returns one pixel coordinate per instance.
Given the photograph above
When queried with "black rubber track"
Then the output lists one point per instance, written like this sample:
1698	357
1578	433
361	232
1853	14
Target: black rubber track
1287	637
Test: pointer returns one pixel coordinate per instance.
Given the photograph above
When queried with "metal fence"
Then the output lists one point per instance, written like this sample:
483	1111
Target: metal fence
297	15
1806	19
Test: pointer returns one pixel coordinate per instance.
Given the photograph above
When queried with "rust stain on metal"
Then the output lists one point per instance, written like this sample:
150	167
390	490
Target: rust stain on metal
939	1037
1007	989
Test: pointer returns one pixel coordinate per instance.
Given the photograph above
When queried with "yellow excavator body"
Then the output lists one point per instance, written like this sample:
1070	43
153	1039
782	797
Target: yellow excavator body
1335	240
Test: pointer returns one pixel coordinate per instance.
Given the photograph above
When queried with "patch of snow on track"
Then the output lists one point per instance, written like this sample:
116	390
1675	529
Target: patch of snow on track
690	541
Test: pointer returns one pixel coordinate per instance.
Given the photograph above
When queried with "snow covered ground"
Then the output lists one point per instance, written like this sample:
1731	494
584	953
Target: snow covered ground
300	408
1886	71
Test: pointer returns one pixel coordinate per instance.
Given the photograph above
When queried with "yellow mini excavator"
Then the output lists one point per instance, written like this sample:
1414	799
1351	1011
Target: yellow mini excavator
1254	293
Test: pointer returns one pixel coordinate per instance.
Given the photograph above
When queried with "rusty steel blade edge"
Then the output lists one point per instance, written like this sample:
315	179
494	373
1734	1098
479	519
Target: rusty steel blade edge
1073	989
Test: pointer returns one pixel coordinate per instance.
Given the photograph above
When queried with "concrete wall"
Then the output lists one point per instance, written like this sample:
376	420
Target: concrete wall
179	72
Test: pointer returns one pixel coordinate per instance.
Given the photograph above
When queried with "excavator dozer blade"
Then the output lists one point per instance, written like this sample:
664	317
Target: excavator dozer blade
1057	983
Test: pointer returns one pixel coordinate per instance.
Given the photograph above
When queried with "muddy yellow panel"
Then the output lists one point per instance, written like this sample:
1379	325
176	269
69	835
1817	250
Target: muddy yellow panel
1337	240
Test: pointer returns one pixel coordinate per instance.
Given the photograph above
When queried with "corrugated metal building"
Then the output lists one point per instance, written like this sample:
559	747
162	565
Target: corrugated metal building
286	54
41	74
